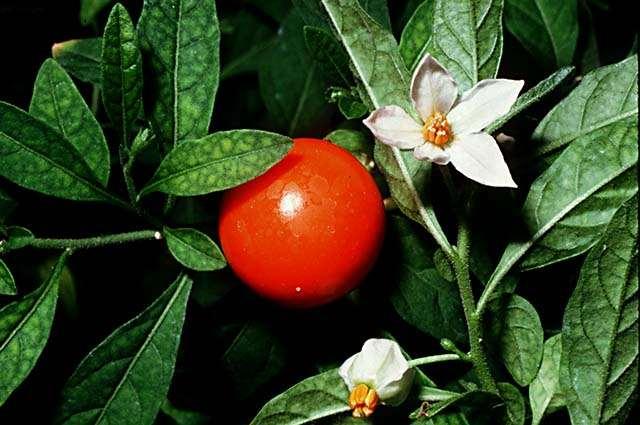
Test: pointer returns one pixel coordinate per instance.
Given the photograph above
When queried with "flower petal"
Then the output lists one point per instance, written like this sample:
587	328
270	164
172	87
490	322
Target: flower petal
393	126
433	89
484	103
432	153
346	371
478	157
385	358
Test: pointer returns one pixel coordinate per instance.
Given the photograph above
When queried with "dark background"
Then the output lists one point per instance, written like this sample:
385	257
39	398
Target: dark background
114	284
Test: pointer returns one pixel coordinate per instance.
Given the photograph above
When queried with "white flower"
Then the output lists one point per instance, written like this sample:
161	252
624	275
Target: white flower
452	127
379	372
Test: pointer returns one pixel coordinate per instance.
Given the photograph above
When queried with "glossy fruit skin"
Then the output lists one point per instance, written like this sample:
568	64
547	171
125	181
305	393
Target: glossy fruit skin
308	230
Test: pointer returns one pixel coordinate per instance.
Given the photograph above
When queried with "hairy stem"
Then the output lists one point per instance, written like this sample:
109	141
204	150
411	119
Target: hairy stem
126	161
94	242
477	353
433	359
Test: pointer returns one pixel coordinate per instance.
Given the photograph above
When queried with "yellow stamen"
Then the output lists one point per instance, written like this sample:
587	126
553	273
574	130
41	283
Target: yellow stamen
363	401
437	129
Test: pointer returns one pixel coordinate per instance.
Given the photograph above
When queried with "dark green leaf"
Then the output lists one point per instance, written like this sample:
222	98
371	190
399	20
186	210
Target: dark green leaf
519	337
378	10
81	58
570	204
37	157
14	237
351	140
290	83
121	73
514	412
467	39
254	358
544	391
421	296
599	364
24	330
247	46
318	397
548	29
7	205
182	416
352	107
57	101
217	162
90	9
606	97
194	249
125	379
7	283
416	34
532	96
275	9
374	55
181	39
329	56
470	399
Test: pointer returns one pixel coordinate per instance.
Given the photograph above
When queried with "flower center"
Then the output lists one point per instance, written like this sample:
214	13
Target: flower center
363	401
437	129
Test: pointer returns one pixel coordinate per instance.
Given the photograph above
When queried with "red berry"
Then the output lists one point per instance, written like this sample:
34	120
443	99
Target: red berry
308	230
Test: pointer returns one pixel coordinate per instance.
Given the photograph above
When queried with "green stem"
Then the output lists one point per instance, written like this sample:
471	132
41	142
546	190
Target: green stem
477	353
433	359
95	242
95	99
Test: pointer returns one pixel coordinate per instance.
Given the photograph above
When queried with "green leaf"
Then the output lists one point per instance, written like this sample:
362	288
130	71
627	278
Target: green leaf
571	203
599	364
544	391
290	83
7	283
14	237
515	412
378	10
330	56
7	205
218	161
467	39
417	33
469	399
90	9
24	330
254	358
351	140
121	73
532	96
519	337
125	379
194	249
548	29
81	58
182	416
181	39
57	101
420	295
317	397
275	9
375	58
606	97
35	156
247	45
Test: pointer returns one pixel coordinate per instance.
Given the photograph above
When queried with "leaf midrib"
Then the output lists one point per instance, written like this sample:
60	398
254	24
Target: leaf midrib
146	342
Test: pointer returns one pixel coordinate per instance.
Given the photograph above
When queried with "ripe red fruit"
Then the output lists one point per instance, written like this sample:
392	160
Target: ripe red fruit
307	231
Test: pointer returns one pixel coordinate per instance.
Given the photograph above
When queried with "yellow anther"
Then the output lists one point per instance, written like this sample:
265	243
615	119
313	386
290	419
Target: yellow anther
363	401
437	129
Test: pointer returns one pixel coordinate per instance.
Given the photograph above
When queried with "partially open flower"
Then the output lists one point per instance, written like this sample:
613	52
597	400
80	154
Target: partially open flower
378	373
451	128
